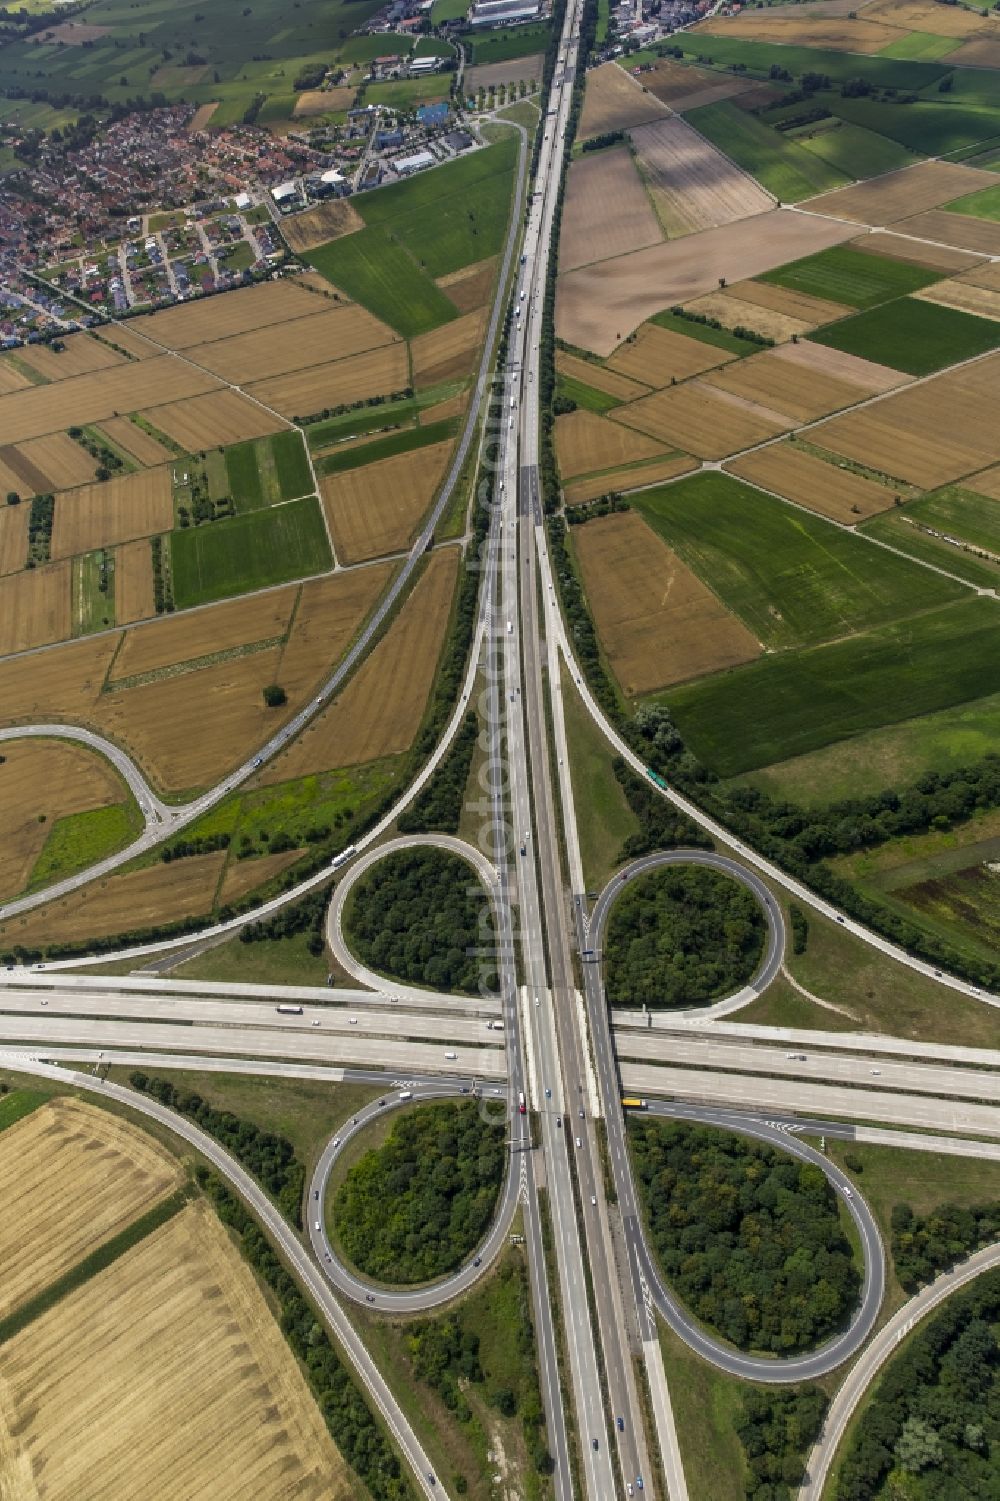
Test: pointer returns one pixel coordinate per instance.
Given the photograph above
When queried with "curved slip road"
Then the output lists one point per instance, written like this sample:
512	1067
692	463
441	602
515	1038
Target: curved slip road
154	810
642	1264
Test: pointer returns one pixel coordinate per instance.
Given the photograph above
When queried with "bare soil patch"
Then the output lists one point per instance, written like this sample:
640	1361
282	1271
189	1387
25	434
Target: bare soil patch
692	184
81	399
977	52
607	211
586	442
986	483
449	352
658	623
34	608
201	117
221	317
323	101
824	487
986	275
380	710
119	510
956	229
614	100
327	221
134	597
374	373
514	70
897	195
685	87
378	508
470	287
632	477
598	305
656	356
139	444
212	421
700	419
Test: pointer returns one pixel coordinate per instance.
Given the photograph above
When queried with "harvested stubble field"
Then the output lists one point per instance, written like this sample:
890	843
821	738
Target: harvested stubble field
128	338
222	1393
380	710
234	313
633	477
657	622
246	875
323	102
52	463
325	333
911	190
12	379
596	306
980	235
931	257
82	354
470	287
327	221
139	444
656	356
812	311
377	508
600	377
13	537
686	87
449	352
614	101
441	411
127	387
789	386
982	302
329	614
134	597
735	312
119	510
212	421
706	422
586	442
824	487
929	16
377	372
829	33
208	631
49	778
514	70
34	608
73	1177
692	184
607	210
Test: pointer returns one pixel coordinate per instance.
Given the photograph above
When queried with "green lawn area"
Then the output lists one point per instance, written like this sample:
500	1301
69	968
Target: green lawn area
607	818
373	267
387	446
81	839
278	961
857	152
706	1404
921	47
895	529
243	473
249	551
586	397
852	277
93	609
503	43
290	465
721	338
410	93
787	704
447	10
18	1103
918	337
793	578
982	205
780	165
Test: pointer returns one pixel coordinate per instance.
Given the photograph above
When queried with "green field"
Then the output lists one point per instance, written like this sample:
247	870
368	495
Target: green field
918	337
921	47
982	205
243	473
759	57
357	423
249	551
780	165
928	127
586	397
410	93
895	529
794	579
291	466
81	839
856	152
373	268
93	608
721	338
786	705
388	446
960	512
851	277
500	45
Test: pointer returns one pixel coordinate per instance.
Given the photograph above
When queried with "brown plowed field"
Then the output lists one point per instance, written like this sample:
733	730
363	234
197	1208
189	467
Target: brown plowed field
204	632
100	1171
832	33
141	445
470	287
324	334
787	387
977	52
134	598
656	356
247	875
586	442
607	210
57	461
598	305
980	301
378	508
634	477
692	184
377	372
34	608
91	398
929	435
700	419
81	355
911	190
49	778
380	710
599	376
811	310
448	352
317	226
932	257
514	70
614	100
823	487
175	1340
955	229
685	87
119	510
234	313
13	537
212	421
330	613
985	275
819	358
658	623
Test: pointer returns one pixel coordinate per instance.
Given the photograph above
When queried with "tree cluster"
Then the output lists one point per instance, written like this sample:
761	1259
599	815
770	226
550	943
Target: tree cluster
661	825
924	1245
604	505
352	406
931	1430
307	915
416	1208
749	1238
40	518
439	805
163	589
201	844
352	1426
750	334
680	936
448	943
606	138
271	1159
777	1427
